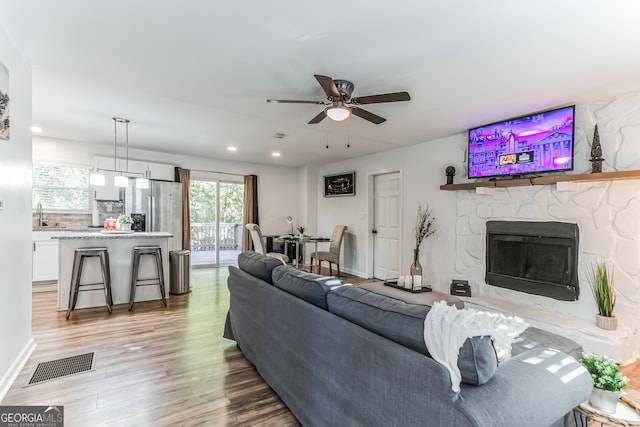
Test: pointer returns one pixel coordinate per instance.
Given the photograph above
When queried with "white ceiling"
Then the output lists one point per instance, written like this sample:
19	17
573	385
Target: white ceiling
193	76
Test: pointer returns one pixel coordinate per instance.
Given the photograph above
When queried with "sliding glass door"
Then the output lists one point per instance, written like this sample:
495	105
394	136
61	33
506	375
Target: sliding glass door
216	222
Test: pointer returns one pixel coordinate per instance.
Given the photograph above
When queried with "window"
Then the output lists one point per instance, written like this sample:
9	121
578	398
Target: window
62	188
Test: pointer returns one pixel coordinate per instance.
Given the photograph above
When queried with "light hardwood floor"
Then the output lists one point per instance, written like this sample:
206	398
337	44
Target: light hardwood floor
154	366
159	366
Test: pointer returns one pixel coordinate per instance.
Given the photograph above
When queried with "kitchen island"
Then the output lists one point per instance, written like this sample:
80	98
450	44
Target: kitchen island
120	247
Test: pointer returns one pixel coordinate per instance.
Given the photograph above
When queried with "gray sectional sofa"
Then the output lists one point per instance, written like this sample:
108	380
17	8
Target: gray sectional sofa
343	356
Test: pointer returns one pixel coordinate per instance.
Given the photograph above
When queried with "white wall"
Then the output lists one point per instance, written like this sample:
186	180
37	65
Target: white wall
607	214
422	172
307	213
277	186
15	221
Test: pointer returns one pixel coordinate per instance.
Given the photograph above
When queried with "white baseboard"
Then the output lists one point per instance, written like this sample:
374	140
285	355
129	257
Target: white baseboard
14	370
354	273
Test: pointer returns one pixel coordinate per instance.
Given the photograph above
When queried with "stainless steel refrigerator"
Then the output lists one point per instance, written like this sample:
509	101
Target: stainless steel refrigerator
161	204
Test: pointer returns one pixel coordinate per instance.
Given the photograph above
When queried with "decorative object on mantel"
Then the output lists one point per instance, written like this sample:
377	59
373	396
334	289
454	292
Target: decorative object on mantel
607	382
424	228
596	152
601	282
450	172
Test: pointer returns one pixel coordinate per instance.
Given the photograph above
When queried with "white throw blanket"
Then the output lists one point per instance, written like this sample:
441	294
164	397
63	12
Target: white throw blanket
446	329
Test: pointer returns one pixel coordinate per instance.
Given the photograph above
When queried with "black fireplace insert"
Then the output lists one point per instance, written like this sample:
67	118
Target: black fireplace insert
538	258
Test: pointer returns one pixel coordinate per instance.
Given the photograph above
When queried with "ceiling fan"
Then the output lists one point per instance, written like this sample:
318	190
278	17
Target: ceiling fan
342	105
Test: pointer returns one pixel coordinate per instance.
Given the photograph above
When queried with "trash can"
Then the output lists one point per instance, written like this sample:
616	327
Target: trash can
179	272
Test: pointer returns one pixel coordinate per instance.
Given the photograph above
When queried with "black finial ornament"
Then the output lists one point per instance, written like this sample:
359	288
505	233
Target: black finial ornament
596	153
450	171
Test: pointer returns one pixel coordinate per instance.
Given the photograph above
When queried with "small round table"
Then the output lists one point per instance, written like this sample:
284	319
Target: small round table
627	414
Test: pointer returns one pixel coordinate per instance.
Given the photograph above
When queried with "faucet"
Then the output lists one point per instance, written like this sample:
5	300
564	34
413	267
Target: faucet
40	215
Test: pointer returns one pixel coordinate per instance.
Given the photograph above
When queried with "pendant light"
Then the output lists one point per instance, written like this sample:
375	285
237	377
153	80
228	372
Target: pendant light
142	183
96	179
120	180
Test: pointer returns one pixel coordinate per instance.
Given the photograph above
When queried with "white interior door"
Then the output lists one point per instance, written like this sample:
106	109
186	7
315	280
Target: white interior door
386	225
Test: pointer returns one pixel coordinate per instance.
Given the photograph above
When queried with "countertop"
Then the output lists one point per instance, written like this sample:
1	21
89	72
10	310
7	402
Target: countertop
101	235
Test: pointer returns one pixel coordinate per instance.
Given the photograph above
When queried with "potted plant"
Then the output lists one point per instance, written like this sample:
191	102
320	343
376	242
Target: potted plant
302	229
604	294
607	381
124	222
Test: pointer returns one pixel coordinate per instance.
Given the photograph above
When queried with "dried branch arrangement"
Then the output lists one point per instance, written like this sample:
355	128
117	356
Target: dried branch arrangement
424	224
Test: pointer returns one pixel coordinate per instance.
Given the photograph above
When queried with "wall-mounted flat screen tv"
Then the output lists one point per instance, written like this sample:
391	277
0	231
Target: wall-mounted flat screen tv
541	142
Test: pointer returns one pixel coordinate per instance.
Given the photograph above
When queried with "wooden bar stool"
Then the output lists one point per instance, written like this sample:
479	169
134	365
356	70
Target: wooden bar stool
139	251
79	257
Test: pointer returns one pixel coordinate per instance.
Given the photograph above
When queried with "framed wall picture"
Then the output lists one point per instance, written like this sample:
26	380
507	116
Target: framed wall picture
4	102
343	184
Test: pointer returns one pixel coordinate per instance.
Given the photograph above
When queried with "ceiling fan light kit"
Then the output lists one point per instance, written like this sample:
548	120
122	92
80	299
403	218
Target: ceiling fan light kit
338	113
338	94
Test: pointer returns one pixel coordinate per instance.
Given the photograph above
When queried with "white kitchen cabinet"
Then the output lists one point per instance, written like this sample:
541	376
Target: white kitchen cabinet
45	260
137	168
162	172
150	170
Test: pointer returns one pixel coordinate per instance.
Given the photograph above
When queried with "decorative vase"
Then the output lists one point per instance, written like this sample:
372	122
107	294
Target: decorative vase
416	270
603	400
608	323
124	227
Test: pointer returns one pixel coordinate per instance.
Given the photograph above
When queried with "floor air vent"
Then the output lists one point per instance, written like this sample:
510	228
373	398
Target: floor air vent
47	371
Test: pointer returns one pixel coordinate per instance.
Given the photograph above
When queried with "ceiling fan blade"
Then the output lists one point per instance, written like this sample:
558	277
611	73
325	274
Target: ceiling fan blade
317	119
385	97
294	101
328	85
375	119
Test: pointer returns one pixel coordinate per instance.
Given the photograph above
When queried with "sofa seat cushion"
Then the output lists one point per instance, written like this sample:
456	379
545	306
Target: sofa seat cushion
258	265
403	323
534	337
310	287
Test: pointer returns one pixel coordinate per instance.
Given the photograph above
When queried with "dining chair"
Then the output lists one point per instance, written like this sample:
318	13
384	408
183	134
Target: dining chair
259	243
333	256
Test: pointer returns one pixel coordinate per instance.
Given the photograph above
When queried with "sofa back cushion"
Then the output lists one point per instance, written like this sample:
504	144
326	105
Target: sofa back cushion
403	323
310	287
393	319
258	265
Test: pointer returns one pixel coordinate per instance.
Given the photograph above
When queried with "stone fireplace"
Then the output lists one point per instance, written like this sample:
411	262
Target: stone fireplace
607	214
539	258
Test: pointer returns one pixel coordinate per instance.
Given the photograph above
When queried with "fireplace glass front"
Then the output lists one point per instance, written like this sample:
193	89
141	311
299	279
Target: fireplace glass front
538	258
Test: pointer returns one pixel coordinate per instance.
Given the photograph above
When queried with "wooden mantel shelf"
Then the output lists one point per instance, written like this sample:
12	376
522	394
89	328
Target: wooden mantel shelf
545	180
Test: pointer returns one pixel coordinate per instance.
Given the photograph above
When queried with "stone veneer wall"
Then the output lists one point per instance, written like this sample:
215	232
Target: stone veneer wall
607	213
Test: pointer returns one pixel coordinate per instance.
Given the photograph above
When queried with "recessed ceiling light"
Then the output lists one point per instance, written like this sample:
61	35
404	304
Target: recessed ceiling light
275	154
279	135
232	149
36	129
